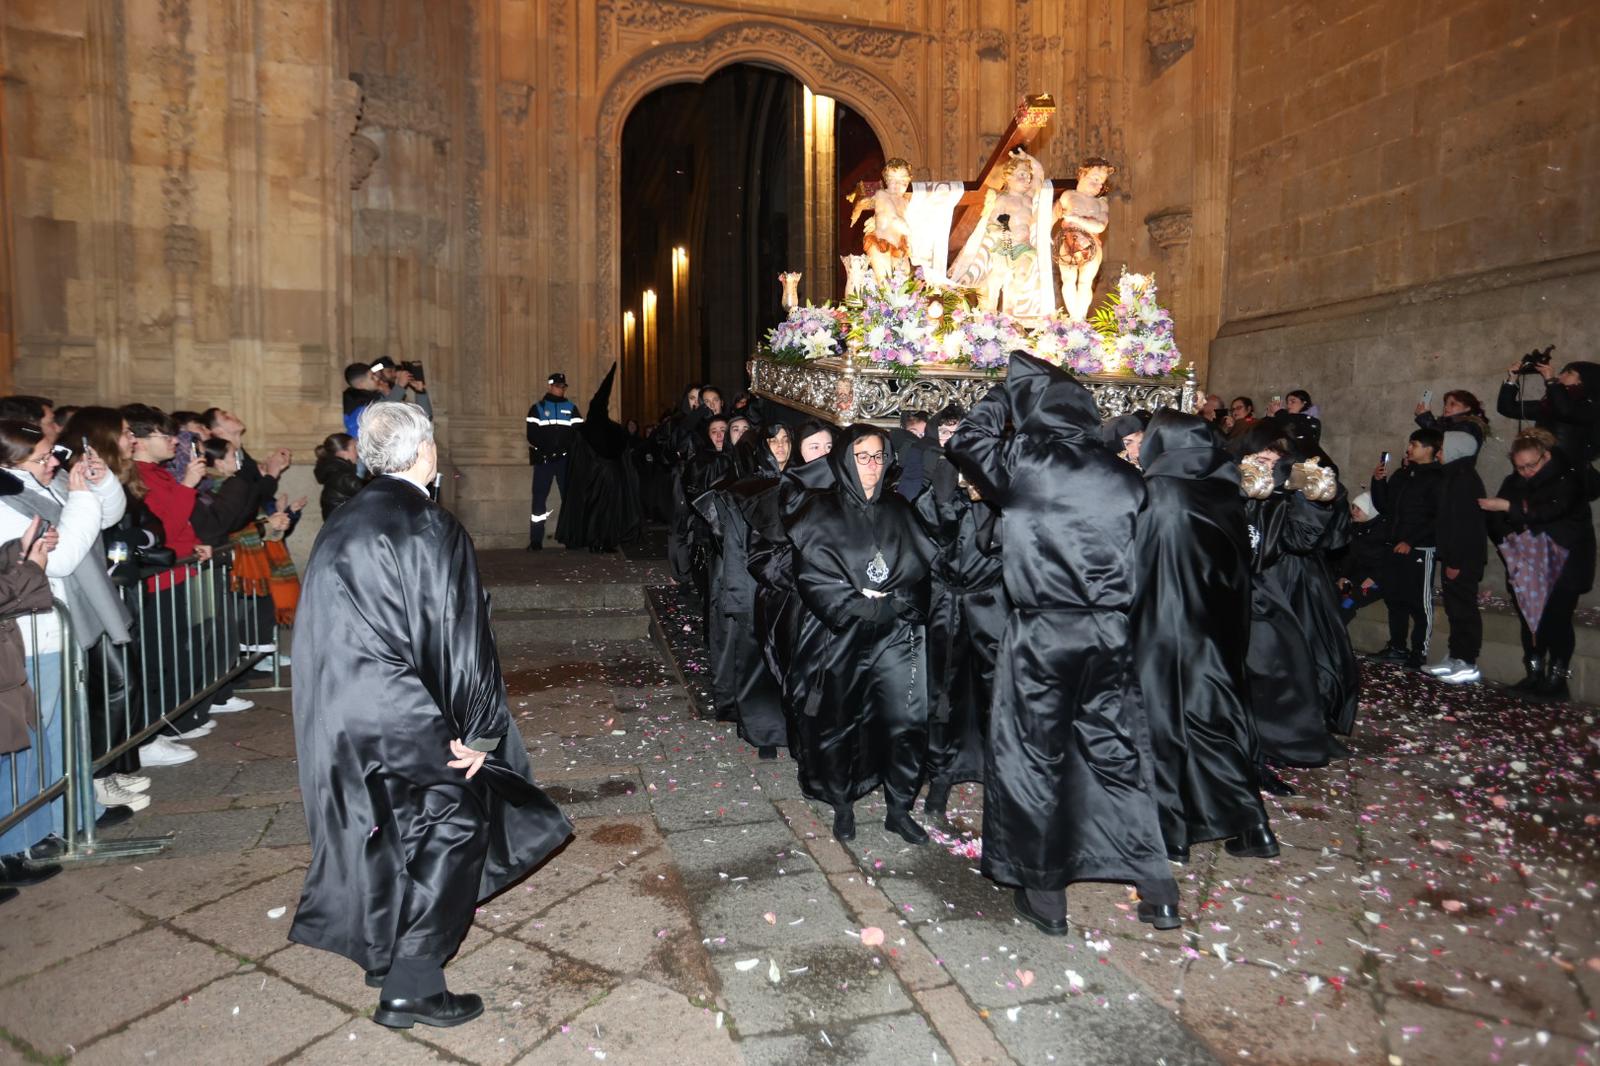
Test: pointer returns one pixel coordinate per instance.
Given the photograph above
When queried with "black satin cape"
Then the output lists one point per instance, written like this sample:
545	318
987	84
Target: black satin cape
1191	634
601	509
1303	677
1067	786
395	659
966	617
864	719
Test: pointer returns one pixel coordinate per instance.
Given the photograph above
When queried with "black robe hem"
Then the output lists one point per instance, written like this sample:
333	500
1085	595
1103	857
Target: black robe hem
369	957
1157	868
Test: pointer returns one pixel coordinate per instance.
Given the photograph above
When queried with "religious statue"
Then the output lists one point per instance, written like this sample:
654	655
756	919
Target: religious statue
1001	258
1081	217
855	272
886	236
790	280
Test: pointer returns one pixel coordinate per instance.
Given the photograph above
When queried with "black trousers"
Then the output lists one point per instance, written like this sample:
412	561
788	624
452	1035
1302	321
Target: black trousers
1409	597
1556	636
1466	624
544	475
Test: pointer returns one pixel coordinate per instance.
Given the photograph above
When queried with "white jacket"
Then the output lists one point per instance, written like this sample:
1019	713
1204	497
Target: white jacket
83	515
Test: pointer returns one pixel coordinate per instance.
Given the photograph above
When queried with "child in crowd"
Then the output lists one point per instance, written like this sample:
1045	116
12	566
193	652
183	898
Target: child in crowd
1463	552
1411	500
1362	568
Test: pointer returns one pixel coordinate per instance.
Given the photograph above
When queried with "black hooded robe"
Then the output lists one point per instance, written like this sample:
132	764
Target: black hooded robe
1191	634
965	620
603	511
403	847
730	589
1067	785
864	721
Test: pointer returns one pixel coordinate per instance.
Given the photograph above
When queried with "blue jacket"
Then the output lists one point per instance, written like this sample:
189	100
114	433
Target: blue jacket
550	428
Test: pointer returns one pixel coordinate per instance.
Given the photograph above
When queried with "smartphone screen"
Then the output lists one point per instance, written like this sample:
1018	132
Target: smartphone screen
1385	459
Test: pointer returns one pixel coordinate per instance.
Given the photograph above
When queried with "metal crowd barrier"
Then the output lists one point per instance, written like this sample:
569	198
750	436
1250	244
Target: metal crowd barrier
185	649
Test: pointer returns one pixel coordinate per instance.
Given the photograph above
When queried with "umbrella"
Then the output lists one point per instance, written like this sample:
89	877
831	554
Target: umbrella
1533	563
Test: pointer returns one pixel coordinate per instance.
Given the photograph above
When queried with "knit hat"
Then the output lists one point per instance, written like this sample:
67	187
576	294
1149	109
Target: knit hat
1459	444
1364	501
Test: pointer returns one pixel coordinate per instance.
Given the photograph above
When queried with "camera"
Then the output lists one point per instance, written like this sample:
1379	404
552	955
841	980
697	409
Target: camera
414	368
1535	359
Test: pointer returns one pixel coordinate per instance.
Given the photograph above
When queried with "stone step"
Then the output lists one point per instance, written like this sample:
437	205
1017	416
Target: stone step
560	596
533	625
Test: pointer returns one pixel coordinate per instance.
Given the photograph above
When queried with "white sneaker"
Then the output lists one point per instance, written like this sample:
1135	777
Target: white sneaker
265	665
110	794
1443	667
1468	674
163	752
196	733
250	649
233	706
132	782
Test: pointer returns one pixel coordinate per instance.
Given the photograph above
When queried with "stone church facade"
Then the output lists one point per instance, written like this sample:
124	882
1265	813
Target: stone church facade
225	201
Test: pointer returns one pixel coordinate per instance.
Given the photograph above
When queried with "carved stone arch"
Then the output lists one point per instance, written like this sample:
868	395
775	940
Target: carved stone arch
782	46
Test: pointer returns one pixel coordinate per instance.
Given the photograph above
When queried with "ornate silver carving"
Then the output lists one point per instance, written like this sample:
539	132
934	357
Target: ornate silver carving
844	393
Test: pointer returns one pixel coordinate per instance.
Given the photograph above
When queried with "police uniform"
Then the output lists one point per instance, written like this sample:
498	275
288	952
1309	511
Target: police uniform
550	433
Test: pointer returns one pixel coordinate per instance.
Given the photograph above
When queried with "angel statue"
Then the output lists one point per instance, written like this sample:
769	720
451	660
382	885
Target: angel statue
1001	258
887	235
1081	217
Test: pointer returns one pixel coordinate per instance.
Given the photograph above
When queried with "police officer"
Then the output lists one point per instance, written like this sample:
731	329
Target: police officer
550	433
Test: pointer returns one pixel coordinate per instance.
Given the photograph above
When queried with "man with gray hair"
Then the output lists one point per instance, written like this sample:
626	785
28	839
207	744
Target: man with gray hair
418	793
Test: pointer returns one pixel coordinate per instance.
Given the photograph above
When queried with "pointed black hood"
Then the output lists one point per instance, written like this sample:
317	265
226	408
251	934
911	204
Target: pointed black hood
1182	446
1046	402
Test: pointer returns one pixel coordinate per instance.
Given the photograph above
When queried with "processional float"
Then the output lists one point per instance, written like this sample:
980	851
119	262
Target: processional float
953	277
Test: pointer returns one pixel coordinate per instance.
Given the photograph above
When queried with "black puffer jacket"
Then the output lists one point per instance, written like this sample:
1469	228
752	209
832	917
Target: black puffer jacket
1553	502
1571	412
339	482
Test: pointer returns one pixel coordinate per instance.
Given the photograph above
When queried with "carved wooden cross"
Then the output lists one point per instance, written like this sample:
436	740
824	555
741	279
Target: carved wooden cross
1031	119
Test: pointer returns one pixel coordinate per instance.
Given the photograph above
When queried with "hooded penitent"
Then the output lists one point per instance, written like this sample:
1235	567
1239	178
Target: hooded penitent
603	510
400	661
864	718
1191	629
1067	793
966	617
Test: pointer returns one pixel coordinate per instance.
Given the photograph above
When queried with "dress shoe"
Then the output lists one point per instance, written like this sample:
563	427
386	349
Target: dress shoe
934	804
1257	842
1178	854
442	1010
844	824
113	817
902	824
767	752
1047	926
1160	915
51	847
1389	654
1273	785
16	873
375	978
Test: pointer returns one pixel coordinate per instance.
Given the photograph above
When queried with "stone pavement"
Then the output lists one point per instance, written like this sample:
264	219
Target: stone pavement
1434	904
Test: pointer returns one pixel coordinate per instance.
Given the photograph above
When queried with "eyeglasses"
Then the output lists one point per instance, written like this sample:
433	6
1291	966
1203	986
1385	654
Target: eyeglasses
1528	468
869	458
43	461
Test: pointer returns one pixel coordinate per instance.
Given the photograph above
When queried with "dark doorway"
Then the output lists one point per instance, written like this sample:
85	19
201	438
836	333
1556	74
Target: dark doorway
715	170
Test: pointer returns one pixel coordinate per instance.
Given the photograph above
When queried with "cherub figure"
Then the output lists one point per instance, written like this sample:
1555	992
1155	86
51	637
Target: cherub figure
886	237
1081	216
1005	262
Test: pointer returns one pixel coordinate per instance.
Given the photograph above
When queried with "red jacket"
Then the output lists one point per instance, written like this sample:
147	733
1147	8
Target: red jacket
172	503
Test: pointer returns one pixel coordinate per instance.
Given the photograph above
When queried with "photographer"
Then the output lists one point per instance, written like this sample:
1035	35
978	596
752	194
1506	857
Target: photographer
1569	410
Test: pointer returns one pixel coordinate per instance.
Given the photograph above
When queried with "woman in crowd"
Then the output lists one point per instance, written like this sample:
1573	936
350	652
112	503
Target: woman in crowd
861	567
1540	521
1295	402
336	471
743	680
24	589
1569	411
710	462
1190	634
1461	411
965	619
89	502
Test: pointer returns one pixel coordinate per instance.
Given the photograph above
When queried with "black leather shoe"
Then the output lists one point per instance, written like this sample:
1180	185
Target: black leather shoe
1178	854
1389	654
902	824
113	817
1047	926
844	824
14	873
767	752
8	894
1160	915
375	978
443	1010
935	802
1257	842
535	547
1273	785
51	847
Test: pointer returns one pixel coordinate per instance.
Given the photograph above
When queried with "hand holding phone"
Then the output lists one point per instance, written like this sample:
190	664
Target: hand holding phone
1427	397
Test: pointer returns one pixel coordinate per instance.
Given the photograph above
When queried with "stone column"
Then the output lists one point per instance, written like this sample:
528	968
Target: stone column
820	168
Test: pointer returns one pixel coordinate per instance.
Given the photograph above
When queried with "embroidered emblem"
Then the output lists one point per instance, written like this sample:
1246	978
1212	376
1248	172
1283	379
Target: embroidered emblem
877	570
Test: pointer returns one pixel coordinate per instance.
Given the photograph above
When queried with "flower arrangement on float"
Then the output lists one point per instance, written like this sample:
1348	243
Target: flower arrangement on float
914	323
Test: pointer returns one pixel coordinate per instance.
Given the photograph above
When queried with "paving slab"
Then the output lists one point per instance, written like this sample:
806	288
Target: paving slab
203	832
99	989
363	1043
241	1020
640	1024
817	984
243	923
897	1038
804	911
739	852
59	919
